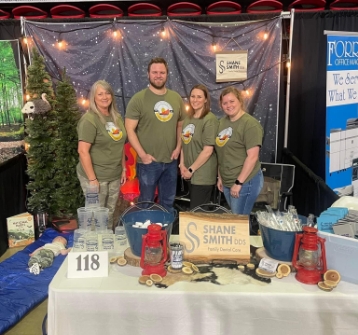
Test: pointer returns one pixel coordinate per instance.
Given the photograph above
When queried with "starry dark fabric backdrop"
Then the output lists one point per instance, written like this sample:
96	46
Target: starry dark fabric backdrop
91	52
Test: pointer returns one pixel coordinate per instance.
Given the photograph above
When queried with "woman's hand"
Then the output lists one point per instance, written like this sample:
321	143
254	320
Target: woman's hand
235	190
182	169
186	174
123	177
94	182
219	184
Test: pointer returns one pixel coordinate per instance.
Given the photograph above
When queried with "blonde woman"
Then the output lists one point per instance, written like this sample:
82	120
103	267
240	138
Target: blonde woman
238	146
101	138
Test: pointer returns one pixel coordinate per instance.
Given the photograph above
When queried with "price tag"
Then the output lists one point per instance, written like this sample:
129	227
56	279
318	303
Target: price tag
268	264
87	264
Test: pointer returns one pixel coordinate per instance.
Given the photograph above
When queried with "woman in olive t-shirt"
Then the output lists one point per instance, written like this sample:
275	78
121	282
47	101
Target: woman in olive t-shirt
237	145
101	138
198	162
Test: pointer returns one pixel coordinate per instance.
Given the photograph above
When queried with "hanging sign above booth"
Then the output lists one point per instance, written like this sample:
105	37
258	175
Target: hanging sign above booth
212	237
231	66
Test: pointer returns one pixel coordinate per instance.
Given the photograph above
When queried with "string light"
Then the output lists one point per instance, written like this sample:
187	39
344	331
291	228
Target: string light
60	43
25	40
247	92
187	107
83	101
117	34
265	35
27	97
288	64
163	33
27	146
213	46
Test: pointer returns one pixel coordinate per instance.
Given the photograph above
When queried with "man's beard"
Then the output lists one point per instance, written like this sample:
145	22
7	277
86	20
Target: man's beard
156	86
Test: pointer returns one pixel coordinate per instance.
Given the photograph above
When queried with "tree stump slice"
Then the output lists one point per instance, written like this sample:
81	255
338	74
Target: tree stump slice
132	259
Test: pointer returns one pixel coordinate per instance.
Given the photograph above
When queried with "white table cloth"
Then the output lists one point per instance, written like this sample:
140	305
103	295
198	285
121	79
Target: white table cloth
118	304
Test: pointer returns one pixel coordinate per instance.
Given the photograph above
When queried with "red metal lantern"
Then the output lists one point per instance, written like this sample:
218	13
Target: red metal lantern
154	251
309	256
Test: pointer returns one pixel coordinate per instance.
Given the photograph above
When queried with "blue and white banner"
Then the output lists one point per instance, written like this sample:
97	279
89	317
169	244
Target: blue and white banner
342	113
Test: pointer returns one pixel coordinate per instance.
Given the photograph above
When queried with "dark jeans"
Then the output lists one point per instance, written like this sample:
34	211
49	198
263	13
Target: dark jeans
200	195
163	175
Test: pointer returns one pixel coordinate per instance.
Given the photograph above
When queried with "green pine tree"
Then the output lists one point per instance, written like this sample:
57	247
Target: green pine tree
68	194
40	130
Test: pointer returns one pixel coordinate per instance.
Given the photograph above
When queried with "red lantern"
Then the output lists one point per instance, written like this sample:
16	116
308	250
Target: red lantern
154	251
311	254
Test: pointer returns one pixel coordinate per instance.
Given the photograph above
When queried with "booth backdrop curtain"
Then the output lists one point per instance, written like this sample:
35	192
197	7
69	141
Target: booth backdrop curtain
307	120
90	52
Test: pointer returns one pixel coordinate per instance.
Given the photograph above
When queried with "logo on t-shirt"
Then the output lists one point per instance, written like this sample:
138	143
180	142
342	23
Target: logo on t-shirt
223	137
114	131
188	133
163	111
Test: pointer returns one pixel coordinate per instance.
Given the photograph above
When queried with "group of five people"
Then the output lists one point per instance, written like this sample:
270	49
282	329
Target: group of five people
212	152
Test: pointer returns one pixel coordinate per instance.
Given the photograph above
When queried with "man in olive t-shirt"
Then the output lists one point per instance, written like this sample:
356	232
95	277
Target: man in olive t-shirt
153	121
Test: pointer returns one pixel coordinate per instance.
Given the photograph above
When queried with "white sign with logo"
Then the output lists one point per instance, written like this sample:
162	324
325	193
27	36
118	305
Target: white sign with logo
87	264
231	66
208	237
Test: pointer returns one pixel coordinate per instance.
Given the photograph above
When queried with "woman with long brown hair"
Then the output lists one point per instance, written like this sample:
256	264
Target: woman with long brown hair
198	162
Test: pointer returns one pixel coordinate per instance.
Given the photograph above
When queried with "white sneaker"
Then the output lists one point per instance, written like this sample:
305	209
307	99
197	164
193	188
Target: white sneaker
35	269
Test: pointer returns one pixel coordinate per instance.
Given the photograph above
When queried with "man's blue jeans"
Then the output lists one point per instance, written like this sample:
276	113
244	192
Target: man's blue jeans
247	197
163	175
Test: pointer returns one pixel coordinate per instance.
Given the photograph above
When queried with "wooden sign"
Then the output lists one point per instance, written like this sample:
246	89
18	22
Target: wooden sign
207	237
231	66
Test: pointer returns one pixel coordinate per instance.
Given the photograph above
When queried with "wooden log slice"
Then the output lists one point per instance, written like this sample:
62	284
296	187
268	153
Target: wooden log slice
132	259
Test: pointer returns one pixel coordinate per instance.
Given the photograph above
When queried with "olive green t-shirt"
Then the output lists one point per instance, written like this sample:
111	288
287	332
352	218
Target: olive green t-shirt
196	134
107	145
232	142
157	116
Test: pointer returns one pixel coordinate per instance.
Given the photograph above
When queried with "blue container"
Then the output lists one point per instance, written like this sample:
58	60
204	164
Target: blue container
135	234
279	244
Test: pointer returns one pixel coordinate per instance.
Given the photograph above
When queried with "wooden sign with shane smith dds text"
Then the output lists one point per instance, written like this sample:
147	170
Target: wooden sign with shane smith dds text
207	237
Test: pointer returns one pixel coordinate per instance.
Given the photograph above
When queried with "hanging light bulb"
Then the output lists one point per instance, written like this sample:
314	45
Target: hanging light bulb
60	43
187	107
163	33
25	40
116	34
265	35
288	64
27	146
247	92
83	101
213	46
27	97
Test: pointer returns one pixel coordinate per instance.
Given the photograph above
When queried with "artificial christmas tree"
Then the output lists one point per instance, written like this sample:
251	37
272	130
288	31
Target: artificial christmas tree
67	196
40	130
